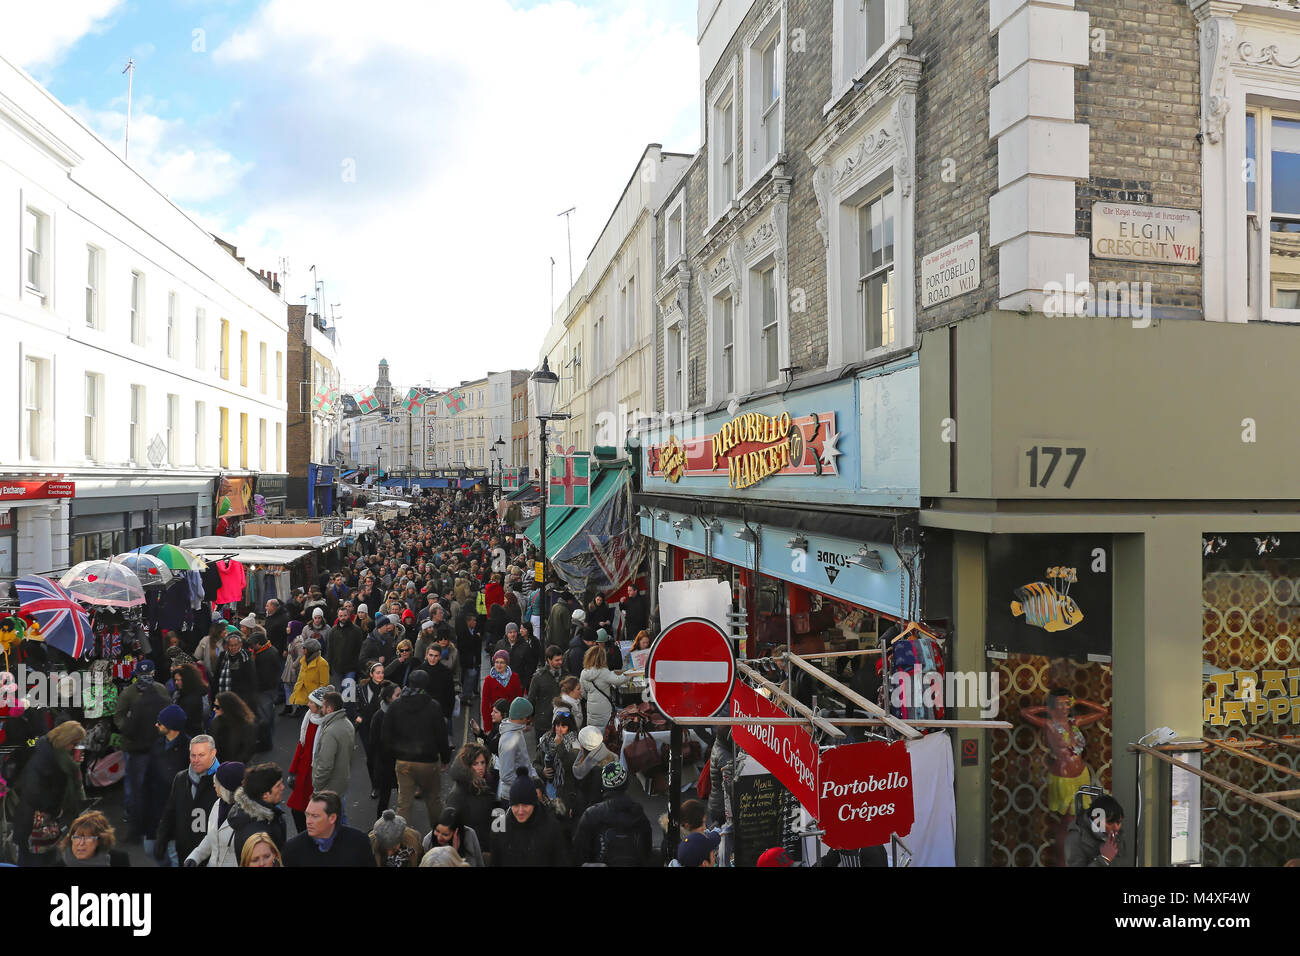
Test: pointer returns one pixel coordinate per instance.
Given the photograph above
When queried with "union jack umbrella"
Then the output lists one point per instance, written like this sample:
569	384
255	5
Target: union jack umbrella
63	623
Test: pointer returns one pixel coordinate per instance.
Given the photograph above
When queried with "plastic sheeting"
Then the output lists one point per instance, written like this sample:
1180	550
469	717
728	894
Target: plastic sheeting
606	552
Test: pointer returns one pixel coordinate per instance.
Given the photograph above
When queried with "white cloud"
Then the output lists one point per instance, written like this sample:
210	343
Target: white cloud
40	33
165	152
471	125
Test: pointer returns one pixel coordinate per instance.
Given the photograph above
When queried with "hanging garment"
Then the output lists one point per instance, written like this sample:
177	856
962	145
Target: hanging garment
233	579
194	581
211	581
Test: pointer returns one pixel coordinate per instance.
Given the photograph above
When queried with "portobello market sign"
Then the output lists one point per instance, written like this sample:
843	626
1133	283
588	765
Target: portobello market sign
750	448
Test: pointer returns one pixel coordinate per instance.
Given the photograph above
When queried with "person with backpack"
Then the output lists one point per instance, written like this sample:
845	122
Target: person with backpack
136	720
616	831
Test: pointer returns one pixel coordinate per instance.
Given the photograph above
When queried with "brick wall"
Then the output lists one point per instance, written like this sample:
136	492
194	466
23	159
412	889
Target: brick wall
1141	98
952	123
297	439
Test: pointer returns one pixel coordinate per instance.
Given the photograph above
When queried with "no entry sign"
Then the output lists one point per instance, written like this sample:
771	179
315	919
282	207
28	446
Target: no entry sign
691	669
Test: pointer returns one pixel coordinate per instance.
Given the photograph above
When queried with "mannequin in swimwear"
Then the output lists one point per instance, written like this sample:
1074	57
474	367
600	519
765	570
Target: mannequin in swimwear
1066	771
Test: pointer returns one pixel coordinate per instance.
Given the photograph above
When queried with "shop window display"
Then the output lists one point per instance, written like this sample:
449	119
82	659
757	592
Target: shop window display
1250	629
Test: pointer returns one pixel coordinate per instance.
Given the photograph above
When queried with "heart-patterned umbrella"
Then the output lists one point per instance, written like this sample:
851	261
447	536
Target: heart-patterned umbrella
152	571
103	583
62	622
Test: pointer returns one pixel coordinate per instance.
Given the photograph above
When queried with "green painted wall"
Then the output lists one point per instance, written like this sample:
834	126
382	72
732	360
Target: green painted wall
1159	409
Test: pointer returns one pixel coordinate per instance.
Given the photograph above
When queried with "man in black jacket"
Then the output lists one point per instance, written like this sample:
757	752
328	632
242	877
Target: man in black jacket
137	719
381	645
256	806
277	624
342	647
545	687
267	665
415	733
526	834
185	815
615	831
469	644
523	659
327	841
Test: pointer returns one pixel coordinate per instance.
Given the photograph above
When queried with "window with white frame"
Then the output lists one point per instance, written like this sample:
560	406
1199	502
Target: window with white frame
279	447
137	310
862	29
1273	211
138	424
38	422
763	113
674	246
261	444
200	433
279	375
173	327
94	400
876	270
261	367
37	252
724	332
94	279
629	314
722	151
173	429
767	324
200	338
674	356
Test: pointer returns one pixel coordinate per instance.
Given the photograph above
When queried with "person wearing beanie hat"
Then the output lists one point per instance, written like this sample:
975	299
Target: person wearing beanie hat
776	856
531	835
256	808
615	831
218	847
313	673
394	843
699	849
168	756
512	749
414	731
248	623
136	719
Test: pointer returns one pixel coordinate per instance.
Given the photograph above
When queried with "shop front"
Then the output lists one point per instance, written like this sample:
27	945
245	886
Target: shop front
108	517
320	490
33	524
274	490
803	501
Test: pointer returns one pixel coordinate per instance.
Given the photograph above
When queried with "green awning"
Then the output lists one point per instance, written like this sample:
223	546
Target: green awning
564	524
527	491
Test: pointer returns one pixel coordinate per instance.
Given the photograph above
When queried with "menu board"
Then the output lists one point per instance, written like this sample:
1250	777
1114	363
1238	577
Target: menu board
759	816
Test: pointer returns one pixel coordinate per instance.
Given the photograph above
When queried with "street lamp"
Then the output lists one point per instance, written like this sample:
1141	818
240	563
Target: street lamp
378	464
544	384
499	460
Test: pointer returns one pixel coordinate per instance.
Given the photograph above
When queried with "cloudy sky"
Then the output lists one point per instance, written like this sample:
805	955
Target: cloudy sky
415	151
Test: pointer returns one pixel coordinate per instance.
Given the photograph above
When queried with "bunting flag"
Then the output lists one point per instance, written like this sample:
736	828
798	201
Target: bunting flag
510	482
455	401
414	400
366	401
326	400
570	480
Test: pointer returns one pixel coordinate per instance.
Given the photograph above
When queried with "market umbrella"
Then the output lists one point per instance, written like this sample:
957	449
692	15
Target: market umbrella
104	583
151	570
174	556
62	621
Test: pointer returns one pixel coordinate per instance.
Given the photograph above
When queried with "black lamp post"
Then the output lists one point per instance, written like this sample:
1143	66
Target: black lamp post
544	385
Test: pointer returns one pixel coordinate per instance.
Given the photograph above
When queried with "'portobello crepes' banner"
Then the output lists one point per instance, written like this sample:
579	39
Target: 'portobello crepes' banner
785	750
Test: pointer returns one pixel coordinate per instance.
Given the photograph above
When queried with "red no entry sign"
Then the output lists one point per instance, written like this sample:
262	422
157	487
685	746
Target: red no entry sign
691	669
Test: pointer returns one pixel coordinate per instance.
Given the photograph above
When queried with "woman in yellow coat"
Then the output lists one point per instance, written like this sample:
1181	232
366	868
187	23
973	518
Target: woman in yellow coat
314	672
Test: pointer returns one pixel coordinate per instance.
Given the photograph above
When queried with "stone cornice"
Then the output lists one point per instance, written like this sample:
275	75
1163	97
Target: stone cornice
772	188
903	74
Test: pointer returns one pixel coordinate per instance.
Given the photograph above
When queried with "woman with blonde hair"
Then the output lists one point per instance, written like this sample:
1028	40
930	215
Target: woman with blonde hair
260	850
89	842
49	789
598	683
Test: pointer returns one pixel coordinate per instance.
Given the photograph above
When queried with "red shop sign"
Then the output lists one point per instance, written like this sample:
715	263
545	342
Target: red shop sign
12	490
864	794
785	750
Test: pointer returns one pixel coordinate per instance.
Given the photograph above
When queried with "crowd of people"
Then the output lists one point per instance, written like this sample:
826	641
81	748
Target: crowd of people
434	619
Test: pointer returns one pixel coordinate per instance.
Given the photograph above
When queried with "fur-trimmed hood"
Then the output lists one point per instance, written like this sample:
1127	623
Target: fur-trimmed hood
248	807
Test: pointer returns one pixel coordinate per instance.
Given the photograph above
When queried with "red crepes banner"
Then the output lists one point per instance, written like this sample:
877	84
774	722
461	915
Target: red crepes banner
864	794
785	750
